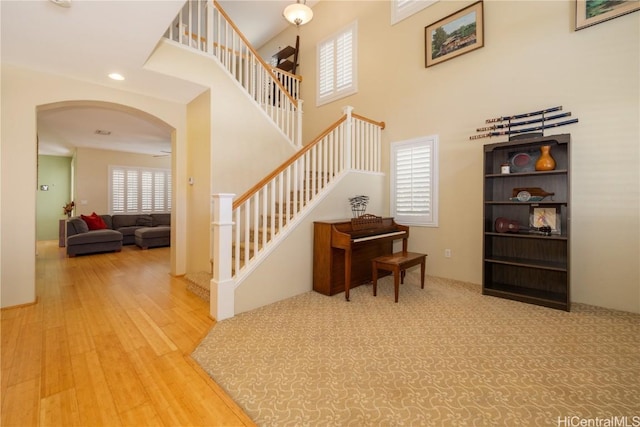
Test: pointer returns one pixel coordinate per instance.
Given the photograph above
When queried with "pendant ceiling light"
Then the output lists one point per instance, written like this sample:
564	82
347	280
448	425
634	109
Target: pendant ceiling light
298	13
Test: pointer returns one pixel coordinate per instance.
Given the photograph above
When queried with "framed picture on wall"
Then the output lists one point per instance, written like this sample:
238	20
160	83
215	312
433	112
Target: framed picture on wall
455	35
592	12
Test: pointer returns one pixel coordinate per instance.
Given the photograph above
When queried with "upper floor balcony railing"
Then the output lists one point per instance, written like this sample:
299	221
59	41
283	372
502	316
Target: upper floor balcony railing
204	26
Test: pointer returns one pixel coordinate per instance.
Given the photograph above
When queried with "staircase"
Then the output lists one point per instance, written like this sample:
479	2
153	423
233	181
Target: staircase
245	231
272	223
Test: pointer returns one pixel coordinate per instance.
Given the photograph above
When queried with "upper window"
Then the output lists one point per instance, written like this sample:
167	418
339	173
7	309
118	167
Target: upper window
139	190
337	65
401	9
414	181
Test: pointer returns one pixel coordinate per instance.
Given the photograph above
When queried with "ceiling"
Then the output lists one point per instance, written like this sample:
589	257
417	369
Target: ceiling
91	39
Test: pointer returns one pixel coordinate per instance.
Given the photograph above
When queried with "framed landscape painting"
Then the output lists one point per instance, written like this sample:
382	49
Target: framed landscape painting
592	12
455	35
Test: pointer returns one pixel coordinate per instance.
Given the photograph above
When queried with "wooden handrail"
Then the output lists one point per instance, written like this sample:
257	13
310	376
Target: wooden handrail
253	190
250	47
295	76
364	119
202	39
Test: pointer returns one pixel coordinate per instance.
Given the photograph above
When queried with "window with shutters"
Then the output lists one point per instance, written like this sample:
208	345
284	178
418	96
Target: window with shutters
139	190
414	181
401	9
337	65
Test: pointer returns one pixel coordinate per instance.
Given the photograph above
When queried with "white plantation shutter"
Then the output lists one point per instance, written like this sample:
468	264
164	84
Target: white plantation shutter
414	194
132	191
158	191
337	66
138	190
147	191
325	85
344	60
118	192
401	9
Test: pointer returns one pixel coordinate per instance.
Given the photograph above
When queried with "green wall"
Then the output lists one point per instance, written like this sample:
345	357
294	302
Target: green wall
55	172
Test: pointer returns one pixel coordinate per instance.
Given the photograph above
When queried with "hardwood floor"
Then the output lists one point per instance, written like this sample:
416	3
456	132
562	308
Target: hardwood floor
108	343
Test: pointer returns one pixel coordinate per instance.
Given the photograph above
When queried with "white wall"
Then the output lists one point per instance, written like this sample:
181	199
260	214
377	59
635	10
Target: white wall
532	59
22	92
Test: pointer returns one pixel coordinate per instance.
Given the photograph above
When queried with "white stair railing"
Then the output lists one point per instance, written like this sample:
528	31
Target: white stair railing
291	82
204	26
266	211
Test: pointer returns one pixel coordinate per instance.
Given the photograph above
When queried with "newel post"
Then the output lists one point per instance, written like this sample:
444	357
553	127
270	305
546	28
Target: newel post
222	285
348	134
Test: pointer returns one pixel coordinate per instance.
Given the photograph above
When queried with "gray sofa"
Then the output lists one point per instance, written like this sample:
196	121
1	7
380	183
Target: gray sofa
146	231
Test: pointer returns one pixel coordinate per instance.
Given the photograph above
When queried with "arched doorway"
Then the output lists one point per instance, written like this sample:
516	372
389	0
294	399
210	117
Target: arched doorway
96	135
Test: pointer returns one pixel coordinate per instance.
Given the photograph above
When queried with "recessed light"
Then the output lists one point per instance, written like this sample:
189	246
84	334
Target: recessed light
116	76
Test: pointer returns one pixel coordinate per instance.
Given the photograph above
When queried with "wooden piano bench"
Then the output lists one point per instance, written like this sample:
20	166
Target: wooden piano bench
397	264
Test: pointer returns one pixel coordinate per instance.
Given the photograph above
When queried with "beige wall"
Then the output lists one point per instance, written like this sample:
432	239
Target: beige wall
199	194
92	175
532	59
22	92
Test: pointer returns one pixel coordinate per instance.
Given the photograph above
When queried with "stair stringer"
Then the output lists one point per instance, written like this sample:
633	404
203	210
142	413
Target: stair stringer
285	268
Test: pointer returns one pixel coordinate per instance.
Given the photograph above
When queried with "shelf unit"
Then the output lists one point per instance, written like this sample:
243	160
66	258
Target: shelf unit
524	265
283	57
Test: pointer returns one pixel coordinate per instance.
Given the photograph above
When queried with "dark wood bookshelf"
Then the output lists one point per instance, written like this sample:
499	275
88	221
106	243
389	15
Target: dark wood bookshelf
528	265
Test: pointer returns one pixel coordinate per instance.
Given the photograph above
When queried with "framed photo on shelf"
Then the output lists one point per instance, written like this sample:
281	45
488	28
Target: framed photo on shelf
545	217
455	35
592	12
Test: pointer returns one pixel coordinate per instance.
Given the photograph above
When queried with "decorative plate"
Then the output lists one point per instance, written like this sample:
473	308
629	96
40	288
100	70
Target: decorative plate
522	162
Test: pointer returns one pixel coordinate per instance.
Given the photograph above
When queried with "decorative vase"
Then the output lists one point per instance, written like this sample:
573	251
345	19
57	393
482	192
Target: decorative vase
545	162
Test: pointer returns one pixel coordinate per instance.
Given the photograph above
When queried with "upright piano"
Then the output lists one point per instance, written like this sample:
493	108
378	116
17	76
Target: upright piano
343	250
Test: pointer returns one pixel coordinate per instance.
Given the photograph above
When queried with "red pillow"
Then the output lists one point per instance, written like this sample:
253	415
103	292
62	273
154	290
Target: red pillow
94	221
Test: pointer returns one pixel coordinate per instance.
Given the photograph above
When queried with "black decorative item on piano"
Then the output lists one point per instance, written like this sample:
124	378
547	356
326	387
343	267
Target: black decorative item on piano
358	205
515	130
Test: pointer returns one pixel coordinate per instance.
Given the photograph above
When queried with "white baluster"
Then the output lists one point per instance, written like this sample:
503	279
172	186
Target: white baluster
348	138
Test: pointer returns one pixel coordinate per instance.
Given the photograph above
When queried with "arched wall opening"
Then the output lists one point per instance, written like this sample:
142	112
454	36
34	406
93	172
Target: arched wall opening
25	93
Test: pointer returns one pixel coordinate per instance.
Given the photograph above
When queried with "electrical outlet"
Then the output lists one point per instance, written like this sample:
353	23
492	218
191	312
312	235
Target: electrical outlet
447	253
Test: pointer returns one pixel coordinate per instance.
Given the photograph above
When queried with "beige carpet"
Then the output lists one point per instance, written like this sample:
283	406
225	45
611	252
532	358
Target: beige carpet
445	355
199	284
